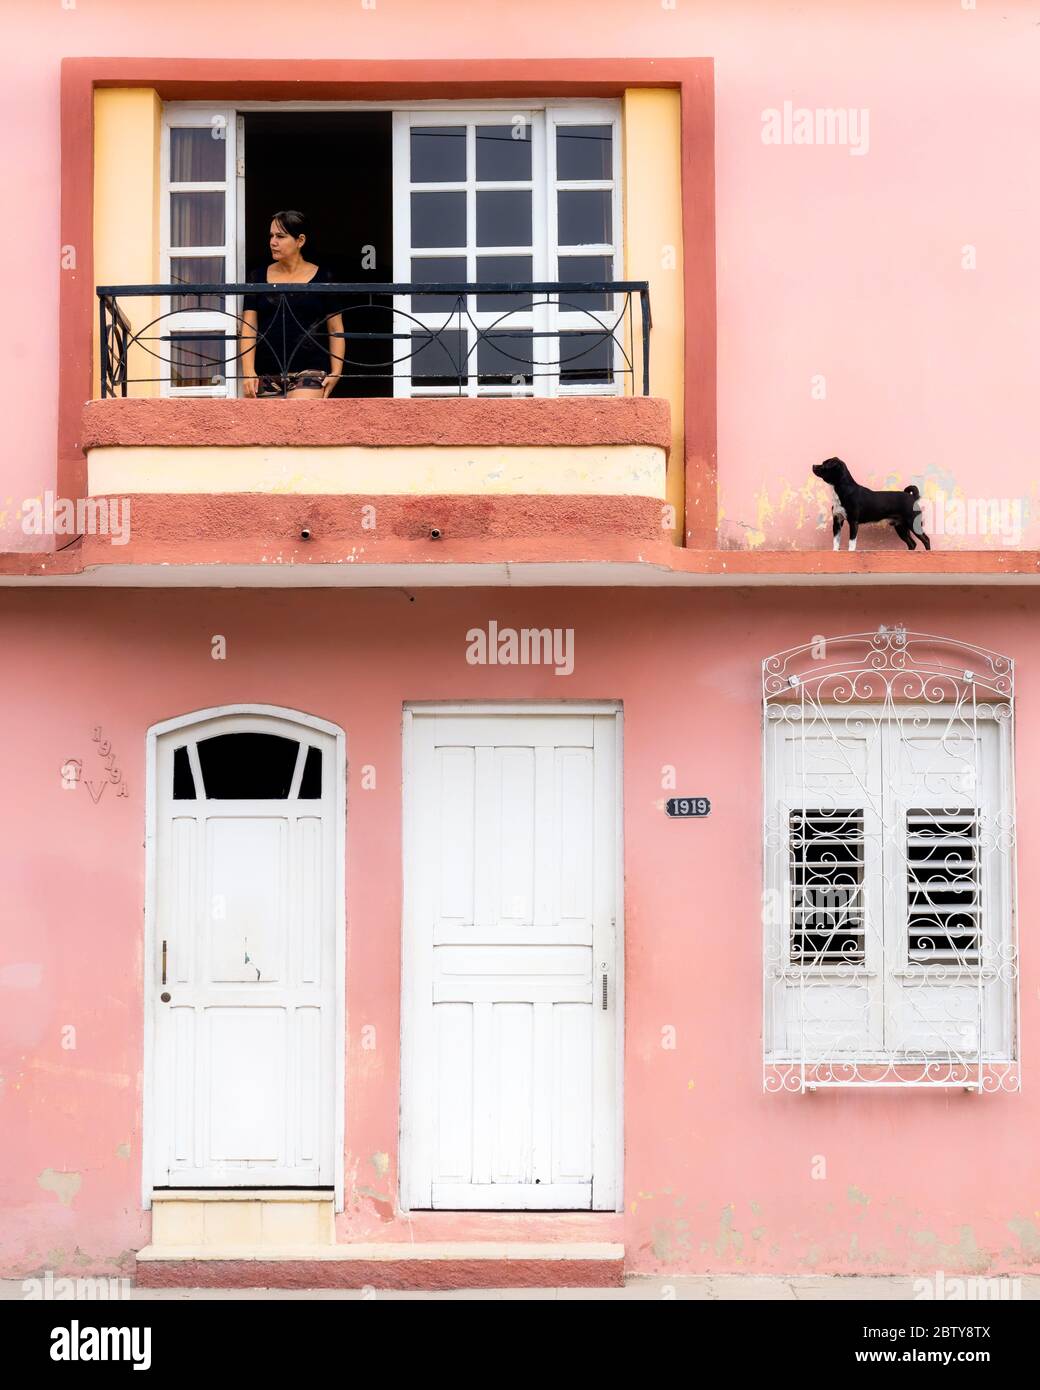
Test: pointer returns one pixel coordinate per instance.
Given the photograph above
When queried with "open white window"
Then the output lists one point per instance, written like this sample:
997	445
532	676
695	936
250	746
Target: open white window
498	195
194	342
890	952
509	197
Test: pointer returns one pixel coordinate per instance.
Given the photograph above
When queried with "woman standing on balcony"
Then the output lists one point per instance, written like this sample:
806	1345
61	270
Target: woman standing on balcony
291	343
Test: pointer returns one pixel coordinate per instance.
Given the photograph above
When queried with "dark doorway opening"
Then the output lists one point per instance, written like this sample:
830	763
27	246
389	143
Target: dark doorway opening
336	166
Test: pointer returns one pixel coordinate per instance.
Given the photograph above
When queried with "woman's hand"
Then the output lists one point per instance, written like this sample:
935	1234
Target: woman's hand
250	385
328	384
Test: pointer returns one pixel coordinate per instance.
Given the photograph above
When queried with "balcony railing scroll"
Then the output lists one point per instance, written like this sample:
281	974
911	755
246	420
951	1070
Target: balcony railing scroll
542	338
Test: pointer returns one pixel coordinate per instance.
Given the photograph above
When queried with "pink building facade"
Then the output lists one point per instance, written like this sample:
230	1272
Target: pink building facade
475	828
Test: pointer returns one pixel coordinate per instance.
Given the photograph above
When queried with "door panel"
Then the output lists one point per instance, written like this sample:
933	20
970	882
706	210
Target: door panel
510	1036
245	1074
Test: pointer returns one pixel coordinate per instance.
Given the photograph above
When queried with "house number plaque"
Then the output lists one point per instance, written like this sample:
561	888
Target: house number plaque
687	806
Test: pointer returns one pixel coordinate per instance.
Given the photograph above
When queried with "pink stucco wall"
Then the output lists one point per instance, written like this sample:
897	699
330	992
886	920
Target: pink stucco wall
717	1175
829	264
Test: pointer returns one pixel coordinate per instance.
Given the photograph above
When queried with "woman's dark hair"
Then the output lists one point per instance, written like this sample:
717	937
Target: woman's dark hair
291	221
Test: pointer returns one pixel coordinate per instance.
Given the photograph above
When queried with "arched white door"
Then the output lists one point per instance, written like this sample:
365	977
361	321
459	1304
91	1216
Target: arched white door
243	952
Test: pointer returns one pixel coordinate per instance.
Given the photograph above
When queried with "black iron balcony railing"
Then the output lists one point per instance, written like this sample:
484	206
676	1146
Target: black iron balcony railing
544	338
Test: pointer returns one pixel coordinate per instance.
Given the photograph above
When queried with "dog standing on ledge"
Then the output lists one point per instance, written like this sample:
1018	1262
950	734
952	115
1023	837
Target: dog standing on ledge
856	504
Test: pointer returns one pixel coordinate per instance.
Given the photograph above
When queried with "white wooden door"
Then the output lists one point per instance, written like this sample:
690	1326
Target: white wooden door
511	973
243	957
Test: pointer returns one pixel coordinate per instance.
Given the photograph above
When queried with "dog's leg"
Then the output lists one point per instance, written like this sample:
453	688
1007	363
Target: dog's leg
924	540
836	524
903	532
853	531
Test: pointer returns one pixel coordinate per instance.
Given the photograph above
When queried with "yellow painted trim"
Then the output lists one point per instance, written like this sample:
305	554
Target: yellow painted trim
652	188
127	130
615	470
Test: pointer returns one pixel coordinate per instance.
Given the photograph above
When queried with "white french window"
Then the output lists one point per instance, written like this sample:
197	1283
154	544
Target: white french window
194	341
511	197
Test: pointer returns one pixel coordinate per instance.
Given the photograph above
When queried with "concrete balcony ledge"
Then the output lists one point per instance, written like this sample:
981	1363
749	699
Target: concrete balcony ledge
483	422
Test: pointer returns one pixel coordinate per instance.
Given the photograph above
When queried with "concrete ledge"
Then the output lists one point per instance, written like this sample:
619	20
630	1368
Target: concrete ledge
497	422
393	1251
432	1266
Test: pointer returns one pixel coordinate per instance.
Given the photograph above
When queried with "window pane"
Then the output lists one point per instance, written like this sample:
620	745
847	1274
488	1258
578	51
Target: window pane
584	217
196	219
944	885
247	767
439	154
586	268
584	152
438	359
586	357
183	780
504	152
443	269
504	217
826	876
438	219
198	359
504	268
198	154
310	783
505	358
196	270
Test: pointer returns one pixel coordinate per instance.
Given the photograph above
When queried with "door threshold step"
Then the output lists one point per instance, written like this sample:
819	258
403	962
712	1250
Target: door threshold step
433	1265
211	1219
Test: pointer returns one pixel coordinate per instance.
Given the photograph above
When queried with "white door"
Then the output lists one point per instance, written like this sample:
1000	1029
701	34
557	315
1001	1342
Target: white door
511	969
243	957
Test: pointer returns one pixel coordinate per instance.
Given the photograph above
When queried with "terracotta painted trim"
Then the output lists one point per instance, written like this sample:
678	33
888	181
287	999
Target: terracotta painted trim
568	422
390	80
700	407
264	533
381	1274
162	522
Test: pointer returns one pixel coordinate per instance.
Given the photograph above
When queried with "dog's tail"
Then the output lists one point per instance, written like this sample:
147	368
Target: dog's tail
914	491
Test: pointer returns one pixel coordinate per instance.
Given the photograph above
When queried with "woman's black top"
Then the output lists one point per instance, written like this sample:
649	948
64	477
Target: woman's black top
291	331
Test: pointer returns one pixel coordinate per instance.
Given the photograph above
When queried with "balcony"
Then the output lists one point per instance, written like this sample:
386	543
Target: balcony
544	339
464	419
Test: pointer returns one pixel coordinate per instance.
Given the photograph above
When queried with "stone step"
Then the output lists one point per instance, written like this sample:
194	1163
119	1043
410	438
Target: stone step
208	1219
388	1265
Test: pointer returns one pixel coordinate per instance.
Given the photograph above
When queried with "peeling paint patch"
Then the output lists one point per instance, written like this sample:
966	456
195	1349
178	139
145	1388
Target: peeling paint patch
728	1239
122	1151
964	1255
381	1163
64	1185
670	1240
1028	1236
855	1195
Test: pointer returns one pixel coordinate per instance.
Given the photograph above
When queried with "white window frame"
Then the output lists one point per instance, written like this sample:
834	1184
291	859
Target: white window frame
543	121
178	115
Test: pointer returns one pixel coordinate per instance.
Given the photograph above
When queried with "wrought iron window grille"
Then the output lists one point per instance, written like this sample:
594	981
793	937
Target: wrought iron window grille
890	954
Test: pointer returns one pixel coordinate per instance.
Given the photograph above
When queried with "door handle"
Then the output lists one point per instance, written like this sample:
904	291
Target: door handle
163	981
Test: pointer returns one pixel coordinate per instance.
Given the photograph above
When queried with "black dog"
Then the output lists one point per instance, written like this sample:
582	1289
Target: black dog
857	504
